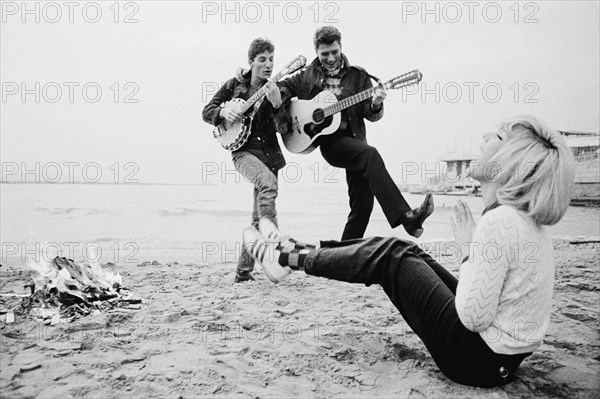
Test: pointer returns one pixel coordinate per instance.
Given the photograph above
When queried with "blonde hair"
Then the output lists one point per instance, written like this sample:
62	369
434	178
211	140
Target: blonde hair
536	170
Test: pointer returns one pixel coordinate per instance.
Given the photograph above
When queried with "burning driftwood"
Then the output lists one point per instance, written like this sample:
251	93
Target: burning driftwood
74	288
67	282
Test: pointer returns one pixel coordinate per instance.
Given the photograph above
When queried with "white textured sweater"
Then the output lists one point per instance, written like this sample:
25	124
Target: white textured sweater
505	288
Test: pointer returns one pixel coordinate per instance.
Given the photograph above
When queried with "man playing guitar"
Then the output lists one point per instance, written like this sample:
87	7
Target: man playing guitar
260	158
366	174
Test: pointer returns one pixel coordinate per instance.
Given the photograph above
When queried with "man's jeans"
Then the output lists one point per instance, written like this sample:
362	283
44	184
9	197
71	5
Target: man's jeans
424	293
265	193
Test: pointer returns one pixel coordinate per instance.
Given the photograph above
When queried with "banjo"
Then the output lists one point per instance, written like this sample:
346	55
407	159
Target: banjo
232	136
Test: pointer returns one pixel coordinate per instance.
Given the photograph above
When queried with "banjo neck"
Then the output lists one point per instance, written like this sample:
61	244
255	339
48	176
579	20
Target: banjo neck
260	93
291	67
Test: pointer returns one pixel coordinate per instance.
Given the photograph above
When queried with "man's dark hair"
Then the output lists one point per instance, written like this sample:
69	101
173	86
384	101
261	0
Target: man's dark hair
258	46
327	35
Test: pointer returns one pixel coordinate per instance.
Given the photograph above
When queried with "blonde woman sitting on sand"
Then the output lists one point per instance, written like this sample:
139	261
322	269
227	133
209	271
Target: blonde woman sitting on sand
479	328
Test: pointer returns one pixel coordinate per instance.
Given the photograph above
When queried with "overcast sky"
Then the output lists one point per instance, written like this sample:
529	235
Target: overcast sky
482	62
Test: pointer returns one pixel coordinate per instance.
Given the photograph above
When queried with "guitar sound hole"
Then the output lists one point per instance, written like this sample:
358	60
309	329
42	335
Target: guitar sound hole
318	116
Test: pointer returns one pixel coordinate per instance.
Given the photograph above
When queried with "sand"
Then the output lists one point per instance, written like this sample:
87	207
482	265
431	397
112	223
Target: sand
197	334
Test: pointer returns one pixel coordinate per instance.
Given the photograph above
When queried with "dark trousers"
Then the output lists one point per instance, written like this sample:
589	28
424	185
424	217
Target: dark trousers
367	179
424	292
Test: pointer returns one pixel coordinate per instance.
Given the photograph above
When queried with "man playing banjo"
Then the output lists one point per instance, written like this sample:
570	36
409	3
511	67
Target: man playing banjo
260	158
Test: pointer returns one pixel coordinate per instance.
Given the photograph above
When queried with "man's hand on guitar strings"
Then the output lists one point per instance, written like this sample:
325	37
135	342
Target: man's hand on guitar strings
379	95
273	93
229	114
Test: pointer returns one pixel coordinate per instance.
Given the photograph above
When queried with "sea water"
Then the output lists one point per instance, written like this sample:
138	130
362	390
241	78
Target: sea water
131	223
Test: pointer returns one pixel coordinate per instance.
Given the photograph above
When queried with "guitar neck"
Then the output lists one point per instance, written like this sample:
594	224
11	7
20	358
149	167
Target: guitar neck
348	102
260	93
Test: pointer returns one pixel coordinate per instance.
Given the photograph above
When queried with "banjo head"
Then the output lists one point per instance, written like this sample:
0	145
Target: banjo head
227	133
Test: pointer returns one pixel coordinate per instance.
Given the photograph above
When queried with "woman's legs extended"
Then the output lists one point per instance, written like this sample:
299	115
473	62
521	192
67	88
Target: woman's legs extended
424	292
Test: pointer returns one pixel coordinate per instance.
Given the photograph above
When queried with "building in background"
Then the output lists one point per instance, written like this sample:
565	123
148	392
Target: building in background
454	177
585	146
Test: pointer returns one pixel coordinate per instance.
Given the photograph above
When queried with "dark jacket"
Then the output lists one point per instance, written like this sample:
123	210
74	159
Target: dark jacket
262	142
311	81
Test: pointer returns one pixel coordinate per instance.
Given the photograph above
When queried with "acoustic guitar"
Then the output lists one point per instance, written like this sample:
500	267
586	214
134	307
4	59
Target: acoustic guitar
311	119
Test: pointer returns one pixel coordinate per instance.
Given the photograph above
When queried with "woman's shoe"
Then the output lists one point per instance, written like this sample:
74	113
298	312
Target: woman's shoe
266	254
268	229
286	242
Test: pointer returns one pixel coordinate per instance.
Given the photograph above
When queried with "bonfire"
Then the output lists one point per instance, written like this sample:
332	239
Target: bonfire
73	289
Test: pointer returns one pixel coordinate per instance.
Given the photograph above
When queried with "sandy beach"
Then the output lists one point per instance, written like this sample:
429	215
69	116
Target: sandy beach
197	334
